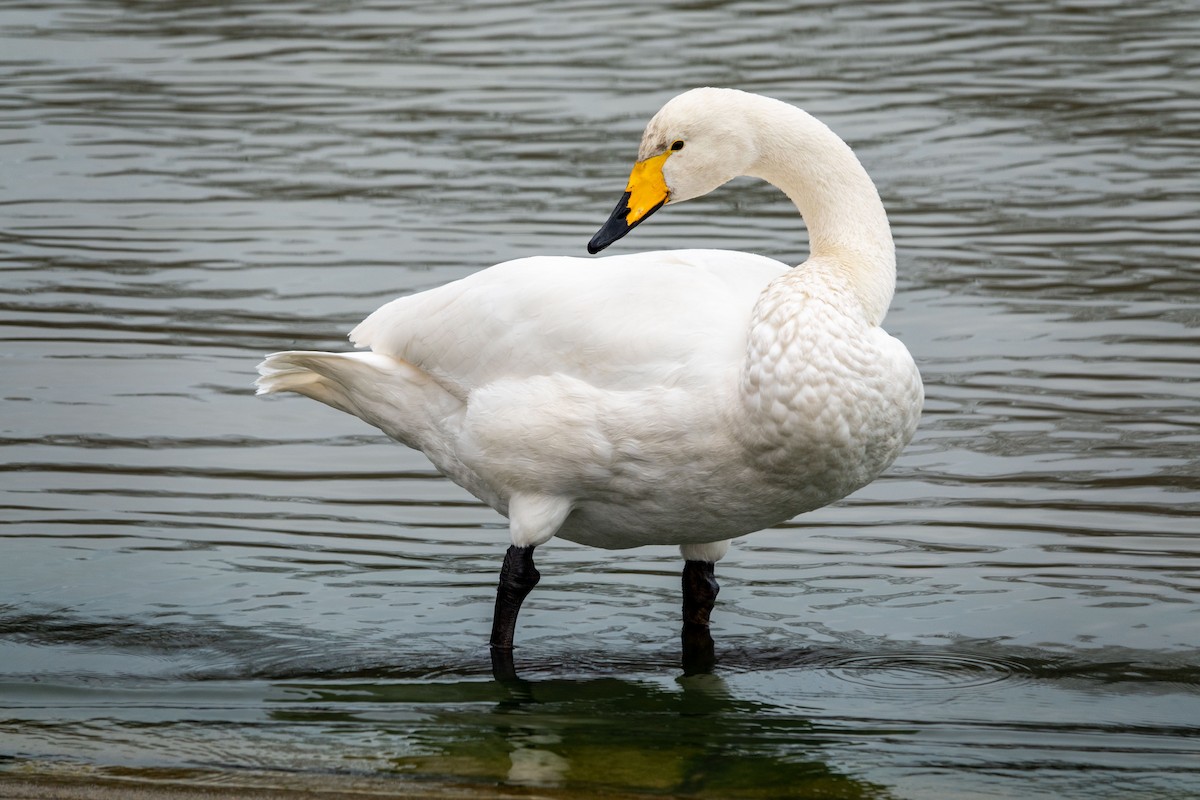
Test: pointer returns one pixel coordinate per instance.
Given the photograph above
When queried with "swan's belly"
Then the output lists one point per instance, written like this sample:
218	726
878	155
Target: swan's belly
708	514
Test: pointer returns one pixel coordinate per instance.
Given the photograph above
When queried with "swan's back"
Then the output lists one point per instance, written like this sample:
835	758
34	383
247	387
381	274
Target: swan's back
670	318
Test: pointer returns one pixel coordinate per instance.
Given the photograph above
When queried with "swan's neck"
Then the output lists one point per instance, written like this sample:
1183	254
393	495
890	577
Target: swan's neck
848	230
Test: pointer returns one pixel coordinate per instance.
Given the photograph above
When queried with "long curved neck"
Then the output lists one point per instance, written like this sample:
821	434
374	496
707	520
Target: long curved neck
848	228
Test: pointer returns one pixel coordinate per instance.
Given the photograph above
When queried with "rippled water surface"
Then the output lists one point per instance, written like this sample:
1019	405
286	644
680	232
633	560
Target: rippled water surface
196	581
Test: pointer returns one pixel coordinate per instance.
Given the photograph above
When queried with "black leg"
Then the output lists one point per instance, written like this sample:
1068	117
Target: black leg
699	653
699	594
518	576
503	668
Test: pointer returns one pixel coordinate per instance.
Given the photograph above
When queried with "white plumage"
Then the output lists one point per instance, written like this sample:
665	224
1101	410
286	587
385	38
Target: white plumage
677	397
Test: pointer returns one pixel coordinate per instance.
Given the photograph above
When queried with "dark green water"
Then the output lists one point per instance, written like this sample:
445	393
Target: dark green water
195	581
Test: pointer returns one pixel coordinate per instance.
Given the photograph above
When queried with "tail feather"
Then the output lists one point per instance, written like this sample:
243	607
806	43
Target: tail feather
274	378
391	394
312	374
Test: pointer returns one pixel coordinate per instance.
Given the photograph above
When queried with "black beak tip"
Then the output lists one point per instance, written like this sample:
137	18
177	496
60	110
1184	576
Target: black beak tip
606	236
614	227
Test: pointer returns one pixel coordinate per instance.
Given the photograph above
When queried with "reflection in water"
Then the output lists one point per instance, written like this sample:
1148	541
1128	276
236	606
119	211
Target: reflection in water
1010	612
688	736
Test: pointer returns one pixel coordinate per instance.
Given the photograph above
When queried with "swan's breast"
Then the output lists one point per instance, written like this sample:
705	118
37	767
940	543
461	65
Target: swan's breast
830	400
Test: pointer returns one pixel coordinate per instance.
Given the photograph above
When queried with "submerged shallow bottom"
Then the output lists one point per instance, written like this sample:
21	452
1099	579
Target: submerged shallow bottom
47	783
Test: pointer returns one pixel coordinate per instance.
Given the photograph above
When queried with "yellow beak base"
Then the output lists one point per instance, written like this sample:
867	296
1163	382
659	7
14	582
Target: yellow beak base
644	194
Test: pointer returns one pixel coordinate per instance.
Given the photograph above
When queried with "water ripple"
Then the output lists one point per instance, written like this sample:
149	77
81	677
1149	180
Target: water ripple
924	671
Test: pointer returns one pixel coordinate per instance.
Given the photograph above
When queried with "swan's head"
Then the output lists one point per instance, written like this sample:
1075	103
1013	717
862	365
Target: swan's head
696	142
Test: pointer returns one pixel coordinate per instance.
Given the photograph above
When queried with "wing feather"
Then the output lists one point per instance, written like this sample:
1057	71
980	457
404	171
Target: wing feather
621	322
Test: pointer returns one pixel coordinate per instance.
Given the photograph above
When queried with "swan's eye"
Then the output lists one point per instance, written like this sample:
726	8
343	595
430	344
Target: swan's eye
678	145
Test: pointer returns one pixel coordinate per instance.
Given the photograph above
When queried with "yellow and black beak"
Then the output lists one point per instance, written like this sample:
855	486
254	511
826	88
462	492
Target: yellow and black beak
645	194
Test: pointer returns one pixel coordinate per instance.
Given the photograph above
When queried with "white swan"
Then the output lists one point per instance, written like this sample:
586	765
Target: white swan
678	397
